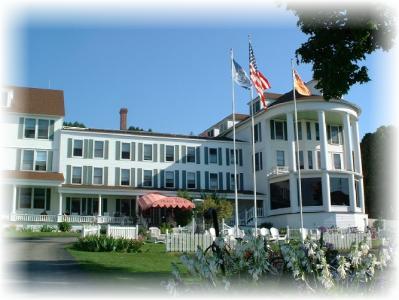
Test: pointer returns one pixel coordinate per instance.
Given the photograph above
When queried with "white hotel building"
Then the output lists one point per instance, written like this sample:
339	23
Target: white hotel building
97	175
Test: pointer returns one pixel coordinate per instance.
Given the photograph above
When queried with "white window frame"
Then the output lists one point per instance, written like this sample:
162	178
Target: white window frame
102	176
94	149
81	174
209	153
152	149
24	129
73	148
333	160
48	129
217	181
173	175
130	151
338	134
152	178
35	160
166	146
22	160
275	130
281	151
195	155
120	177
195	181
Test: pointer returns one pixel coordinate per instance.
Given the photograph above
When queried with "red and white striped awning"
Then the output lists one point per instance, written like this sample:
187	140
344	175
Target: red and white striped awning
153	200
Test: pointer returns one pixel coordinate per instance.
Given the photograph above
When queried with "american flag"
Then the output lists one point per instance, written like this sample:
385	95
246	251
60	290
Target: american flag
258	79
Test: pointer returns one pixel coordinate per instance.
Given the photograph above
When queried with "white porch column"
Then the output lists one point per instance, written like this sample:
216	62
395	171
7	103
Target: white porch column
356	147
323	140
293	181
361	195
60	204
14	200
291	142
325	177
347	142
352	194
99	205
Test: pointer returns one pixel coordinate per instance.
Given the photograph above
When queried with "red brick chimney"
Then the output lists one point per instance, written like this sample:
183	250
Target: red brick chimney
123	118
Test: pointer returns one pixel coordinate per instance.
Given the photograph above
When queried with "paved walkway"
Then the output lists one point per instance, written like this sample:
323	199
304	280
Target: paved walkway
42	267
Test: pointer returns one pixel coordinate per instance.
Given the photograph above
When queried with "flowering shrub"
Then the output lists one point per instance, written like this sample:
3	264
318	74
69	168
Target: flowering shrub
313	265
107	244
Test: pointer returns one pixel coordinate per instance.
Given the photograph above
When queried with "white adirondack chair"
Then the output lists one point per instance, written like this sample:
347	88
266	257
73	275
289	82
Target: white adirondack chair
212	232
156	234
264	232
275	235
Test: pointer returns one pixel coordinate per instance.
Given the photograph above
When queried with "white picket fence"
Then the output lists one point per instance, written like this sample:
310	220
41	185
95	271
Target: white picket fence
91	230
343	241
187	242
122	232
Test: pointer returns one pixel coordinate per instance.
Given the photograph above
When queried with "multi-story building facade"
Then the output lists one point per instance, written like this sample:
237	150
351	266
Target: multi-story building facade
98	174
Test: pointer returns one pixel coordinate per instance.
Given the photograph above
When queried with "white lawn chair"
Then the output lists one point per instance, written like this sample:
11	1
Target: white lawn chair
212	232
264	232
156	234
275	235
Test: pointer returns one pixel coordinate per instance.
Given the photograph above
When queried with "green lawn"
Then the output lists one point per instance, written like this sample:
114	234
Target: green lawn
152	262
37	234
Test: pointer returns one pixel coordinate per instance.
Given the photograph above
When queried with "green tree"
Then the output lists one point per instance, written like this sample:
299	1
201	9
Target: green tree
74	124
223	207
378	161
340	37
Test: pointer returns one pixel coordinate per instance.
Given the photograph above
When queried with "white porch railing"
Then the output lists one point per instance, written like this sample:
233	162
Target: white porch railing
79	219
277	171
114	220
247	216
33	218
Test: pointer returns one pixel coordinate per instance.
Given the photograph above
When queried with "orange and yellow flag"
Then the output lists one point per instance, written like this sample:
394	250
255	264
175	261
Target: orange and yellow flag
300	86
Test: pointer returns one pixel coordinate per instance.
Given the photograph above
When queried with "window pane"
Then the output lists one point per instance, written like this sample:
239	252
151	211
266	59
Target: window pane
125	151
280	158
337	161
41	161
78	148
27	160
299	131
279	130
311	192
75	207
147	152
334	135
39	198
191	180
317	131
125	177
43	129
213	155
147	178
170	153
77	175
30	125
25	197
280	195
169	179
301	163
357	193
232	156
318	159
339	191
191	154
213	179
99	149
98	176
308	131
310	160
232	185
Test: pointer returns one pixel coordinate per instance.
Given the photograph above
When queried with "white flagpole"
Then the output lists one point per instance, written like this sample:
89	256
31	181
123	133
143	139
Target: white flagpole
234	145
253	156
297	150
253	166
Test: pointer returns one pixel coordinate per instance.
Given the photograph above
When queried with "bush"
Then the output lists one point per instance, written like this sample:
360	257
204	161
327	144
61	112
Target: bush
107	244
267	225
64	226
378	224
164	227
46	228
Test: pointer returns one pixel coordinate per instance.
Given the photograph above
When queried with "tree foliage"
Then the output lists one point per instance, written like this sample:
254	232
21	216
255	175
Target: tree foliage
74	124
340	37
223	207
378	161
136	128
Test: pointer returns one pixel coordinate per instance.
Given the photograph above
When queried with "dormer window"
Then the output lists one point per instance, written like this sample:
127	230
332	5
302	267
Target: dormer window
6	98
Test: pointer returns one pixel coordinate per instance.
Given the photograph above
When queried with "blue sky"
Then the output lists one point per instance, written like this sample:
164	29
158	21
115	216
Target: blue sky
173	78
